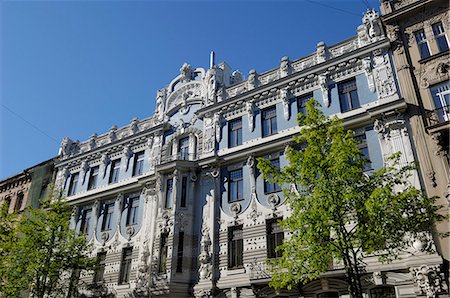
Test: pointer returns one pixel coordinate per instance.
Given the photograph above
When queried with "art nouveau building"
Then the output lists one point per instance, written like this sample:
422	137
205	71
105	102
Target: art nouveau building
174	205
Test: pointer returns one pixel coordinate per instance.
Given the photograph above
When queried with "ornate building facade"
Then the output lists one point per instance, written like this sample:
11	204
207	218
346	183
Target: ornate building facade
174	206
419	35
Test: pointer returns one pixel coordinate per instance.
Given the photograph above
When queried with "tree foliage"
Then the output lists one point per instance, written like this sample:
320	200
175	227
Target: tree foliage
339	211
41	253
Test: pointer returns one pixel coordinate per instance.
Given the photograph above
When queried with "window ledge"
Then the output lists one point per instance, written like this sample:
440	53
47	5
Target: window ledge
432	57
238	270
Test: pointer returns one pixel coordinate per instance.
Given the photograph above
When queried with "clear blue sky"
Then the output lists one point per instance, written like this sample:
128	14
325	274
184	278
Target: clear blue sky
72	68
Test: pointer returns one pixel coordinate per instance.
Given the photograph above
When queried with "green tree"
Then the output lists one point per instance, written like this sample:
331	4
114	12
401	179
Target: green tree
46	256
339	211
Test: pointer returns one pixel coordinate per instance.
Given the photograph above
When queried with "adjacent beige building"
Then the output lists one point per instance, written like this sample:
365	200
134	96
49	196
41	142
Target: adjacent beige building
419	35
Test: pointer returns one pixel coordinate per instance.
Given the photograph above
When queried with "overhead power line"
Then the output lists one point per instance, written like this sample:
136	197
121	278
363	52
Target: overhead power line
29	123
332	7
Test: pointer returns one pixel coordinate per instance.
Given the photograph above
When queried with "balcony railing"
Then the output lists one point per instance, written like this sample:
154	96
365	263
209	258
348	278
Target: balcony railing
438	116
179	156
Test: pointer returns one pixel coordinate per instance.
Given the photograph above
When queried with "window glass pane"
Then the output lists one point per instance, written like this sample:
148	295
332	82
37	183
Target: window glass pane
169	193
73	184
138	165
348	96
183	148
441	39
115	169
93	178
183	192
235	132
235	186
100	269
269	121
422	44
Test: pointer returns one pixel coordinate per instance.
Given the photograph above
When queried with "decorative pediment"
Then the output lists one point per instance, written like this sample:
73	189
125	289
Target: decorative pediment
194	91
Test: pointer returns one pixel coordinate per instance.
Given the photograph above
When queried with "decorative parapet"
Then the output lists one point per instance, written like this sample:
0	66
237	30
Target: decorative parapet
70	148
369	32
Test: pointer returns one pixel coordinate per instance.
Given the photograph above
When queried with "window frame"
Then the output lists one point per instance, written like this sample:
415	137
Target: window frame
169	193
180	252
100	268
138	163
114	171
423	45
163	251
235	132
132	211
19	201
272	127
360	137
125	265
239	186
183	148
85	220
107	212
73	183
93	177
274	239
235	247
439	35
348	94
184	192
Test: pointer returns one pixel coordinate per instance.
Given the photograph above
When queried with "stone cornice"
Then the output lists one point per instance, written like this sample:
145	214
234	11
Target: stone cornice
408	10
110	147
271	88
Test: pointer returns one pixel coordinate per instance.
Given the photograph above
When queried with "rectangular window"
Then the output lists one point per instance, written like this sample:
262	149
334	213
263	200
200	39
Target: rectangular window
235	132
348	95
86	215
361	139
93	177
100	268
108	209
422	44
163	253
115	170
269	121
183	148
19	201
270	187
125	265
441	100
275	236
183	198
235	186
235	247
301	103
169	193
132	211
138	164
73	184
180	252
441	39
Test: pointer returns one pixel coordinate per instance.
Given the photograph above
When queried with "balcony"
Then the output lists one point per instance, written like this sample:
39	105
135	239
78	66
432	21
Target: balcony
179	156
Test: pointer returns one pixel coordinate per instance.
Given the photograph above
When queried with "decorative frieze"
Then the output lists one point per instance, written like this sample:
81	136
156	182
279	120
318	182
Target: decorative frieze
383	75
428	279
